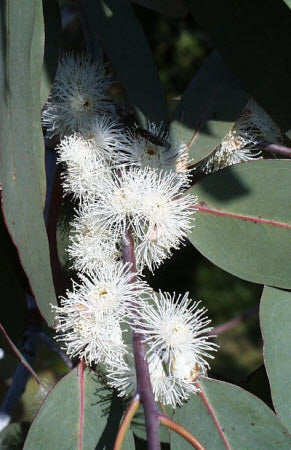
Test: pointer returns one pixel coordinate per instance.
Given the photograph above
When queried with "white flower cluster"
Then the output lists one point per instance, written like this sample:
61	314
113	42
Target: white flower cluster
177	336
242	142
123	180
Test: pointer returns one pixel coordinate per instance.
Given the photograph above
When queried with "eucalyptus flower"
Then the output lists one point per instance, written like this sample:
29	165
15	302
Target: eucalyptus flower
174	326
168	389
255	122
150	202
241	143
89	247
109	136
80	90
83	164
151	148
89	318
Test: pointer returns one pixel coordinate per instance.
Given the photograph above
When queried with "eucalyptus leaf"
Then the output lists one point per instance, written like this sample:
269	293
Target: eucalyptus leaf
275	317
36	60
22	172
78	413
226	416
243	222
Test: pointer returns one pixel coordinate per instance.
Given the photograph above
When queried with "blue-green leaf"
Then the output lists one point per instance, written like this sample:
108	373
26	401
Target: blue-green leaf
79	413
275	317
243	222
22	172
226	416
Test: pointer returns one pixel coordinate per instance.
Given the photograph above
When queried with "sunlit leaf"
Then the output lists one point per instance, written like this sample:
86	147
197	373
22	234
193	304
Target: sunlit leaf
243	222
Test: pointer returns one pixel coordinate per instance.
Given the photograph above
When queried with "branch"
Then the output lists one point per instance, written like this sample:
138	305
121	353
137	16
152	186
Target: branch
133	407
236	321
144	387
172	425
275	148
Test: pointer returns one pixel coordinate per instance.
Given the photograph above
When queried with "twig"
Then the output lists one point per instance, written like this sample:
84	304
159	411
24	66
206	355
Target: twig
133	407
144	387
234	322
275	148
172	425
27	349
21	375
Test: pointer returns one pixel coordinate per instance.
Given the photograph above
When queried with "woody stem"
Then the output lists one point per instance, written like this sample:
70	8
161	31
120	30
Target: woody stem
144	387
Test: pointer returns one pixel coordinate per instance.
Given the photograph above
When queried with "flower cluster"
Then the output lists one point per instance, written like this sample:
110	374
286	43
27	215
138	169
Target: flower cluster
124	180
177	336
242	142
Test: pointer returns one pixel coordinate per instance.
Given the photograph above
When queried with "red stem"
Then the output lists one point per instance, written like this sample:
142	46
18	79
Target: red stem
212	414
81	368
172	425
208	210
133	407
144	387
21	357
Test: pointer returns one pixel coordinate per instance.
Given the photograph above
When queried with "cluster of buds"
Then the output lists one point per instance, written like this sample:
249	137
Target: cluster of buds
124	181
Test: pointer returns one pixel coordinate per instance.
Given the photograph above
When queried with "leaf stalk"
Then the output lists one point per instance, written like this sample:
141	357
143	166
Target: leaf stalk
133	407
172	425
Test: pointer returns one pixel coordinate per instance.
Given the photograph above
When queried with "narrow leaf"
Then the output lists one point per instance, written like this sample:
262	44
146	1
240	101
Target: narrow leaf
22	152
275	316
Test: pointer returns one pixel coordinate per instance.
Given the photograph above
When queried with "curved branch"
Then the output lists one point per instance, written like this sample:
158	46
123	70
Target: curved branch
133	407
172	425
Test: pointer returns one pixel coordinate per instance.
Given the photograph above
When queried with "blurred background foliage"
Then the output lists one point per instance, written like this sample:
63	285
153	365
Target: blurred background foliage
179	47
